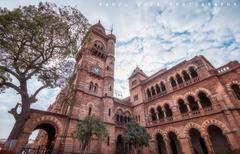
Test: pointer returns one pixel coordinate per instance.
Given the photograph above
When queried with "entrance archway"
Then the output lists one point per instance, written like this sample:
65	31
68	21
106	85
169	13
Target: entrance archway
198	143
174	143
119	145
219	140
44	141
161	147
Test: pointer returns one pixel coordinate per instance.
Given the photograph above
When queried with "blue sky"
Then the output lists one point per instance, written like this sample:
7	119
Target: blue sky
152	34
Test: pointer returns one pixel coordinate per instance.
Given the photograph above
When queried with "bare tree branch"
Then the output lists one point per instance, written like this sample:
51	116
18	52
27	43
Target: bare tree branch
33	97
13	111
11	85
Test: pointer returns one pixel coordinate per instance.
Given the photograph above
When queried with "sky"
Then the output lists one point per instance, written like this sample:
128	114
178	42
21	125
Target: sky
151	34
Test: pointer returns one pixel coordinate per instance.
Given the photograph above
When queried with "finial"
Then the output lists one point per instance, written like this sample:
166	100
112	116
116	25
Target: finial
112	29
99	21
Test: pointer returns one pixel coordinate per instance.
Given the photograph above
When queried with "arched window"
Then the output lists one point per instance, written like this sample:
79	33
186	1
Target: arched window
119	116
148	93
192	103
186	76
95	88
193	72
160	112
182	106
218	140
168	110
91	87
153	91
89	110
179	79
174	143
162	85
173	82
236	90
110	88
153	114
204	100
99	45
157	89
127	117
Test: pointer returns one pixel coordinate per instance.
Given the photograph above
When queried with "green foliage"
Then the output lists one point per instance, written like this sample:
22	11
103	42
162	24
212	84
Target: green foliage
136	136
40	41
88	128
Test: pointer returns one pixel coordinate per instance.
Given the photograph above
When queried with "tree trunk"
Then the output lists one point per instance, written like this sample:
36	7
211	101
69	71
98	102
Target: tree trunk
22	117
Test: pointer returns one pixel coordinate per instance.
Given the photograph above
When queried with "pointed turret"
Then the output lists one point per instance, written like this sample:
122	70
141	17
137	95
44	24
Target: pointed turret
136	71
99	27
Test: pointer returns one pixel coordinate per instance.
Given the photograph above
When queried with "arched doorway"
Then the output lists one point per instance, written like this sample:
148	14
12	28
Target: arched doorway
119	145
219	140
44	140
161	147
198	143
174	143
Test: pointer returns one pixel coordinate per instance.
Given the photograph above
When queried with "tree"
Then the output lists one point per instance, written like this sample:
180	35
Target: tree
88	128
136	136
37	42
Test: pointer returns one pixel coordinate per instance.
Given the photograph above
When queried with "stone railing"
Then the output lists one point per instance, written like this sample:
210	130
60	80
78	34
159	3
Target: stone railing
162	93
183	116
229	66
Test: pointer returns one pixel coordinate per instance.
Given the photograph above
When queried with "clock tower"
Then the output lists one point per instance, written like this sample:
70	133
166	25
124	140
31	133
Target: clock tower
94	82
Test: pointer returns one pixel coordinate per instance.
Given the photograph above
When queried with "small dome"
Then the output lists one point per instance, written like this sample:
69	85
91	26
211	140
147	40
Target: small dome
99	27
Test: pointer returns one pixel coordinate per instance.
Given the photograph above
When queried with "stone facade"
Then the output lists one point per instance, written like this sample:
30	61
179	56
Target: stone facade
189	108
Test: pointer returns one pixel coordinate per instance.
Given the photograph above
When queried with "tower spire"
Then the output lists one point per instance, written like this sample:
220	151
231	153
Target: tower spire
112	29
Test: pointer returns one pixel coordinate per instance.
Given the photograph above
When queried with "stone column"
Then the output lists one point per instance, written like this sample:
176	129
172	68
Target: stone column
185	145
208	144
199	104
164	113
188	107
57	145
152	147
157	115
168	147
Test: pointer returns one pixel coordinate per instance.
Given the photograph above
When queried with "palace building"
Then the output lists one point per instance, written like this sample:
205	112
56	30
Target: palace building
191	108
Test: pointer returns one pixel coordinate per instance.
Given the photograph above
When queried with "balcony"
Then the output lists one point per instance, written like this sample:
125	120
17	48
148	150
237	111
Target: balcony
183	116
162	93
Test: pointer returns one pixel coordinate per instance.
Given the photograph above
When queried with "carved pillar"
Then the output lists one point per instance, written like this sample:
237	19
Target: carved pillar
208	144
199	104
164	113
188	107
157	115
